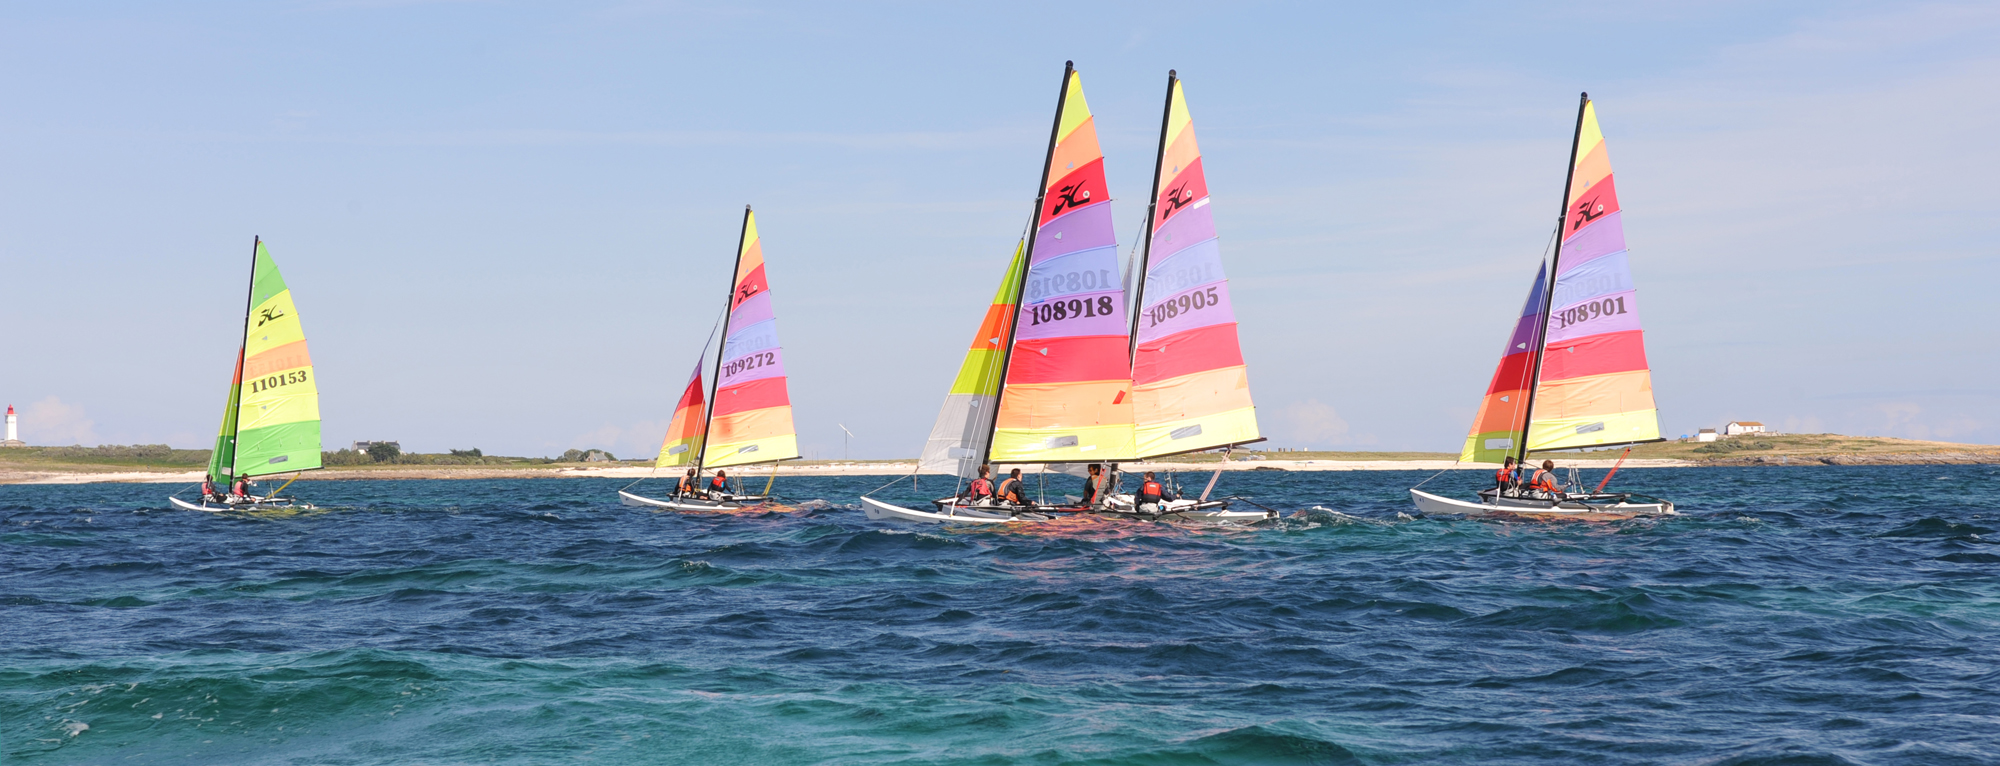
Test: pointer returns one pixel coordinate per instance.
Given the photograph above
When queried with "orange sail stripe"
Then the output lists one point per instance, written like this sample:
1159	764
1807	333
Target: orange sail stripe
286	357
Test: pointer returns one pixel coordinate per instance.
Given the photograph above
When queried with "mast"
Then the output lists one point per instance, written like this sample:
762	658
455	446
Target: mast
1549	293
708	407
249	304
1146	234
1034	228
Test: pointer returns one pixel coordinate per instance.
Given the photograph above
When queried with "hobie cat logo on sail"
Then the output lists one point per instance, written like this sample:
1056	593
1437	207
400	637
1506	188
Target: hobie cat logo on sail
271	314
1070	197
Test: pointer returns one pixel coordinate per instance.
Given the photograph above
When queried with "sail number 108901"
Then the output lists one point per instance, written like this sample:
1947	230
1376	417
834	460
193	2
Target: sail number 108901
1589	311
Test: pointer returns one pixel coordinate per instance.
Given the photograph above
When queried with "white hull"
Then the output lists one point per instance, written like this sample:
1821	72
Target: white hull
1514	506
692	504
1184	509
881	511
262	504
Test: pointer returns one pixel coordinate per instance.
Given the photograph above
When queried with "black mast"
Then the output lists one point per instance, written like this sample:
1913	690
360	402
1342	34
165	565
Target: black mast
1028	255
249	305
708	410
1152	208
1549	292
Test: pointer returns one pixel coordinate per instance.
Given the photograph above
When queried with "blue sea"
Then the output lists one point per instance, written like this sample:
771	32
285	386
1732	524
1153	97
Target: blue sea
1803	615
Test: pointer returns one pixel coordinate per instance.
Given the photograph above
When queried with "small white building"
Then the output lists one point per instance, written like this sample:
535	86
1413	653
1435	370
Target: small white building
1705	435
1741	427
13	433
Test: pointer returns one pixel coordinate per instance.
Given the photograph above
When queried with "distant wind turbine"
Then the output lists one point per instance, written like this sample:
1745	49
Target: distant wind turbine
843	439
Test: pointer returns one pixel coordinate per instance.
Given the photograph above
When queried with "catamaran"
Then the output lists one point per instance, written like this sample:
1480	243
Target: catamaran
1574	374
270	424
1050	378
748	419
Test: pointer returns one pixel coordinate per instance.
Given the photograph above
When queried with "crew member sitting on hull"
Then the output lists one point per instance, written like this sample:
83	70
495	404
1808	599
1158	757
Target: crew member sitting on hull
1010	488
689	486
1090	485
240	492
981	489
209	492
1151	494
718	488
1507	476
1544	481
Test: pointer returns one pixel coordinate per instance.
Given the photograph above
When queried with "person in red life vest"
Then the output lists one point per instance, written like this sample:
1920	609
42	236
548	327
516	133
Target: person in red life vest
1544	480
1507	476
1151	493
689	486
1091	485
981	488
718	488
209	492
240	493
1010	488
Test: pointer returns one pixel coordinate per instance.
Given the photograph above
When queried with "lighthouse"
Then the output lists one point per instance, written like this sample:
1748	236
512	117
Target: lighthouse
13	431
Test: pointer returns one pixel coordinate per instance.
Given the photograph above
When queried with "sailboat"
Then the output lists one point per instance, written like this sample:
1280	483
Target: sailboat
1574	374
270	424
748	420
1049	378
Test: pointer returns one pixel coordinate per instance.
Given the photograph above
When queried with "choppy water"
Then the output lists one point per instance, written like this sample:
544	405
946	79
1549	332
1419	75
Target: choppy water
1795	616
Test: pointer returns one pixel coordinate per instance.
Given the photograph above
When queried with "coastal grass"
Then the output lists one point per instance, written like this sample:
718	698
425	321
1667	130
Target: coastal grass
1789	445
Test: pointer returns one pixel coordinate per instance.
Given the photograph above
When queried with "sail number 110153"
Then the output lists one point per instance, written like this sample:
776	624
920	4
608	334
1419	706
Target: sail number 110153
269	382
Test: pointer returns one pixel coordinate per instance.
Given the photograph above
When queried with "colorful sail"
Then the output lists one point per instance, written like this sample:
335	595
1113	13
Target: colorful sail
965	424
1594	388
1190	388
685	429
1067	396
273	423
751	418
1496	430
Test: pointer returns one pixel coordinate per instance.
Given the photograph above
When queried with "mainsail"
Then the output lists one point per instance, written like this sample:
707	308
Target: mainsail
1593	388
1190	388
1066	395
750	418
271	422
1577	351
965	424
1496	430
685	429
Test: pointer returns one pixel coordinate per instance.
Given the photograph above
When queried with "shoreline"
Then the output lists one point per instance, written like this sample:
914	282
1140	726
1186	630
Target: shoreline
114	475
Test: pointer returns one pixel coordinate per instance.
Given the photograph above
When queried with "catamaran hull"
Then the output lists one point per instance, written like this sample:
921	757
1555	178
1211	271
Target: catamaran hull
881	511
692	504
1200	511
286	505
1535	508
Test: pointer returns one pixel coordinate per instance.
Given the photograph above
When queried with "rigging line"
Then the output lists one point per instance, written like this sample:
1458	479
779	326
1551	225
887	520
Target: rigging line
1454	464
886	486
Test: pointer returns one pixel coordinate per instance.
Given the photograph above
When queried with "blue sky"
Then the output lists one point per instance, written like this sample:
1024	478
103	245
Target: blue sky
507	225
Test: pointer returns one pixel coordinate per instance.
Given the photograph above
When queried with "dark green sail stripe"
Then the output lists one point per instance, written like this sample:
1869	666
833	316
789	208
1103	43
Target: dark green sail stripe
222	461
281	448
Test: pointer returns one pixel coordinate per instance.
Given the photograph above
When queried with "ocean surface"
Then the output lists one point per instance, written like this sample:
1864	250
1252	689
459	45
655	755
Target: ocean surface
1793	616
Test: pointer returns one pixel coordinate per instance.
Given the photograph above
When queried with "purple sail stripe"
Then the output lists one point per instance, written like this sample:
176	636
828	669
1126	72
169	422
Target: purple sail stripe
1591	279
774	368
1222	312
1081	229
1197	265
1104	323
1601	238
1189	227
750	312
1089	271
757	337
1523	340
1629	320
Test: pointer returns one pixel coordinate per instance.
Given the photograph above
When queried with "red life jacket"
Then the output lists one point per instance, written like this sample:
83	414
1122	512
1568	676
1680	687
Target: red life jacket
1150	492
981	488
1503	475
242	487
1543	481
719	484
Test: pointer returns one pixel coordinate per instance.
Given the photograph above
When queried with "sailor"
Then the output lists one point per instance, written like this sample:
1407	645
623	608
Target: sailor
209	492
1010	488
689	486
240	492
982	487
718	487
1151	494
1544	480
1507	476
1090	485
